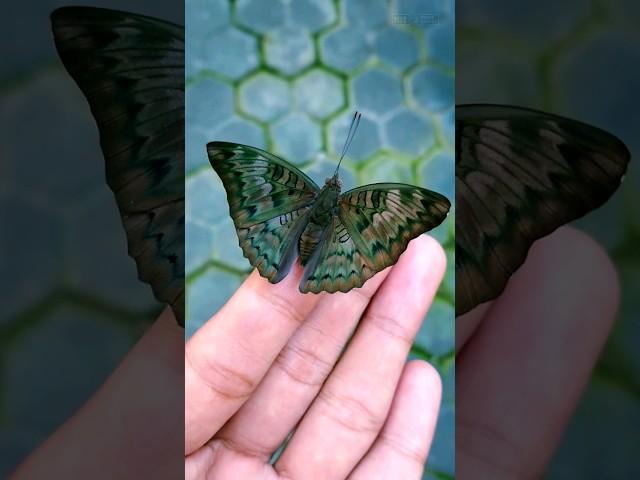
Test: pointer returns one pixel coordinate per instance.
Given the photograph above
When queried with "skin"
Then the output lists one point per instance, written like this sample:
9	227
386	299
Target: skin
523	360
251	379
541	345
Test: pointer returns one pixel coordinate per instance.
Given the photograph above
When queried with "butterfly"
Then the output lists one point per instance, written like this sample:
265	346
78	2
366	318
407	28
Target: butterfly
342	239
131	70
520	174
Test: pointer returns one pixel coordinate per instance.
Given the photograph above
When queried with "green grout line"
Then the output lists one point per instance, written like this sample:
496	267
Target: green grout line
29	75
72	297
215	264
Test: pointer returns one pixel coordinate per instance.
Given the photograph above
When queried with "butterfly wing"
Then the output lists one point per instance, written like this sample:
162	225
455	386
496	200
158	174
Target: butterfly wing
371	229
269	201
520	174
131	70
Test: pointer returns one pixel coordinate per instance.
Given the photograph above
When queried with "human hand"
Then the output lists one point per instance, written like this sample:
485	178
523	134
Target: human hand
523	360
270	362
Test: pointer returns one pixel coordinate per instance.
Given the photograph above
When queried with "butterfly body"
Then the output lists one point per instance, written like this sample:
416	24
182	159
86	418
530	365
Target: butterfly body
342	239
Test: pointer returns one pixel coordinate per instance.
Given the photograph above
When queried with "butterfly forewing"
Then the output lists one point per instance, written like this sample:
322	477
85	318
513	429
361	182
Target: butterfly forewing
372	228
520	174
269	201
131	69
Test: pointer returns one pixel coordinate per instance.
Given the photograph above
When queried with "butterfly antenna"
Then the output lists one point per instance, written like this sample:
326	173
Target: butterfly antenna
355	121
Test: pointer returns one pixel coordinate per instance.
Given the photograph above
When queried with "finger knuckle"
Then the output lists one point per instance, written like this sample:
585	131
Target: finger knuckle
352	413
224	381
303	365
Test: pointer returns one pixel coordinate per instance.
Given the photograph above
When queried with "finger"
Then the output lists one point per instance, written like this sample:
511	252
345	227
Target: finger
468	323
228	356
400	451
349	411
520	376
138	404
265	420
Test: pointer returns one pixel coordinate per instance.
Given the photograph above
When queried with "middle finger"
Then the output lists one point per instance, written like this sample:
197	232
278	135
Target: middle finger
300	369
348	413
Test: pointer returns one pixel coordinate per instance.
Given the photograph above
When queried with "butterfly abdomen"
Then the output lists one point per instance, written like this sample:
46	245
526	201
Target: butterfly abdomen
319	219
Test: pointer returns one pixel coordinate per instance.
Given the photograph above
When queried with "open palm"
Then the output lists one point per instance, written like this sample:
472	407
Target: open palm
273	361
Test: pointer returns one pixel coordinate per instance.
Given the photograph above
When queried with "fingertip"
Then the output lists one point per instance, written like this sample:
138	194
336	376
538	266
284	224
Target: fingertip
424	380
582	261
427	252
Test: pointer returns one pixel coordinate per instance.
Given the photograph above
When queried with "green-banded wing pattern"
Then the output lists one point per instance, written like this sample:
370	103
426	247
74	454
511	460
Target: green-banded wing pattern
269	201
373	227
520	174
131	70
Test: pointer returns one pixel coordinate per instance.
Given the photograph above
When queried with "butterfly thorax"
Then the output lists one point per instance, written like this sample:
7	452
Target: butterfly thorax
320	216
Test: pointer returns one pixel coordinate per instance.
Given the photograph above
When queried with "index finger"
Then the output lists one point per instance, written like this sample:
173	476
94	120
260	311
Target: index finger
229	355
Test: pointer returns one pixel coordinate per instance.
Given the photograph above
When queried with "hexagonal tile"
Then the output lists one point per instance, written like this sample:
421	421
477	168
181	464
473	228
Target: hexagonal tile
436	335
408	132
289	49
47	121
15	444
448	375
605	421
230	52
98	224
226	248
209	103
437	173
345	48
495	77
423	13
202	17
432	90
397	47
195	143
312	14
27	261
386	169
595	59
539	28
206	294
242	131
319	93
198	245
297	138
206	200
440	41
441	456
448	124
365	143
265	96
366	13
261	15
377	91
66	377
449	282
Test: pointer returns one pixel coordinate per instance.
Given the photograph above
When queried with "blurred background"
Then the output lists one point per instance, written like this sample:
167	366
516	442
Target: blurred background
578	58
71	305
287	77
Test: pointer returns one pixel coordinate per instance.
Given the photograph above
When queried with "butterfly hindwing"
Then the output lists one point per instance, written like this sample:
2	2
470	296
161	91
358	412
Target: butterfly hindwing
269	202
336	264
131	70
520	174
371	229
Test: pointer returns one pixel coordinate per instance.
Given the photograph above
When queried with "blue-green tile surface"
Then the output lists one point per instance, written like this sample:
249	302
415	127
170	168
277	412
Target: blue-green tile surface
75	305
579	58
308	65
